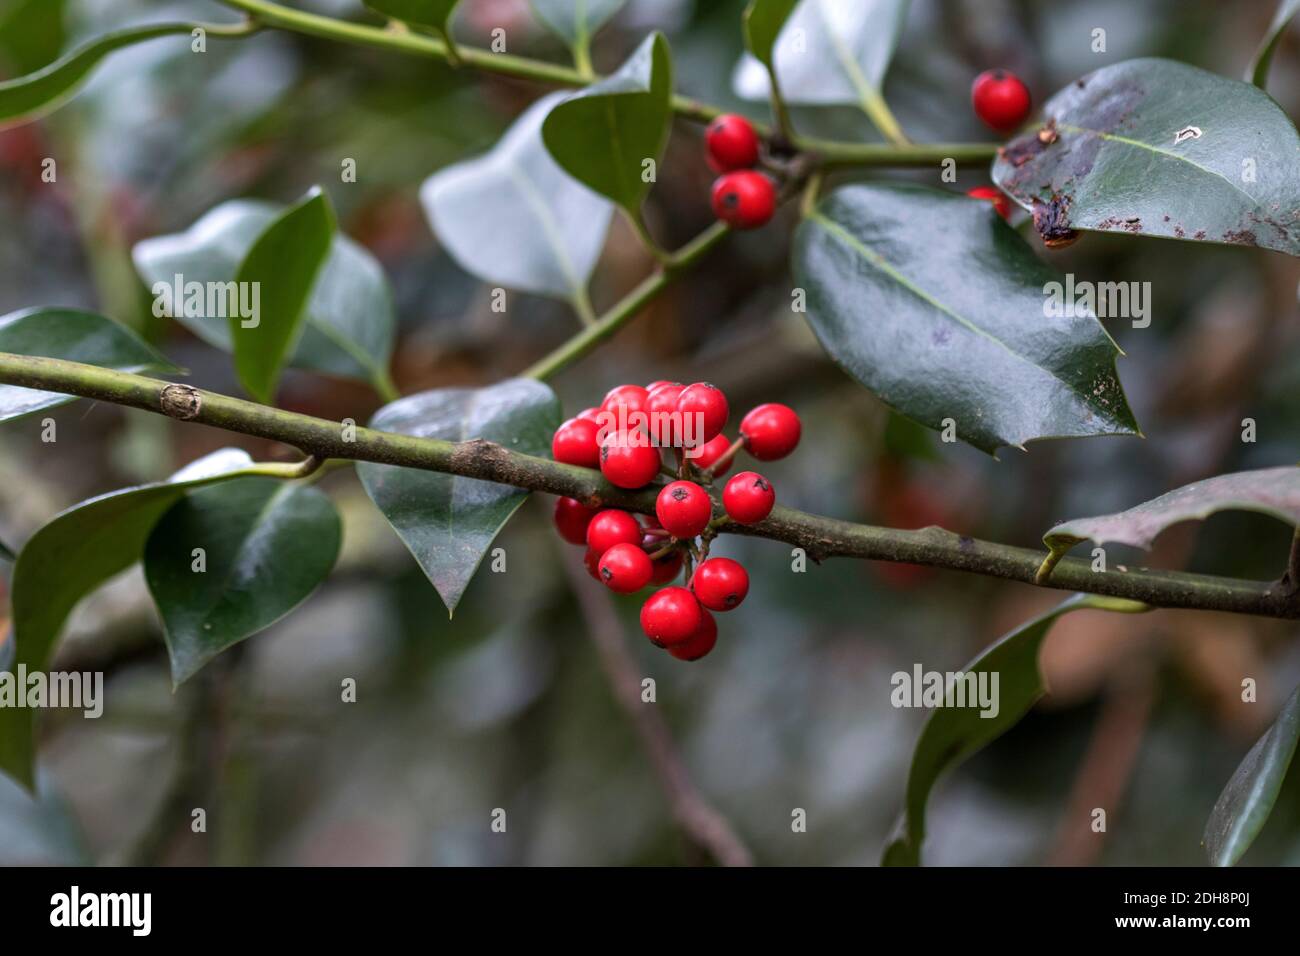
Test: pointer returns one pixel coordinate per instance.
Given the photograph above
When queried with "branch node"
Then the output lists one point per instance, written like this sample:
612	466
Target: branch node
181	402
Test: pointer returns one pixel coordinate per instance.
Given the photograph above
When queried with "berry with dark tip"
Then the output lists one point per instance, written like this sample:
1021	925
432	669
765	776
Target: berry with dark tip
720	583
748	497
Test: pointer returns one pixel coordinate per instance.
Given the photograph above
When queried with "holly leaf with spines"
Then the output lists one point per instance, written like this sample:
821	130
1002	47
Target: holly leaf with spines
513	217
266	545
1257	72
824	52
604	134
936	305
1154	147
1269	491
283	262
449	522
69	557
576	21
1246	802
73	335
349	324
28	98
951	734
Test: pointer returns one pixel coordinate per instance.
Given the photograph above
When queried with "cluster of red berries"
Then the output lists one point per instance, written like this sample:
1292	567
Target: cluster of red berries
625	437
1002	101
742	197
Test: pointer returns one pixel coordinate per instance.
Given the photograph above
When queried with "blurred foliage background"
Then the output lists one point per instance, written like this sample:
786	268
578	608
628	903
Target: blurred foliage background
506	705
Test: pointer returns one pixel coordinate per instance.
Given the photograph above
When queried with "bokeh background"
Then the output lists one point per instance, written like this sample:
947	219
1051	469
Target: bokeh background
507	704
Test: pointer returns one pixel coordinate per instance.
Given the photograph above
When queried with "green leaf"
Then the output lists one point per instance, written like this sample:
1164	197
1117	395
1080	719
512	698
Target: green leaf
448	522
1270	491
762	23
576	21
931	301
73	335
72	555
514	218
1258	71
952	734
433	14
266	546
603	135
31	34
826	52
1243	807
349	326
38	94
1158	148
284	263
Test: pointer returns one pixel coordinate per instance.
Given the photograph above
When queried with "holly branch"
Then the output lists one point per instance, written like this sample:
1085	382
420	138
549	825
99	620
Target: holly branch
819	537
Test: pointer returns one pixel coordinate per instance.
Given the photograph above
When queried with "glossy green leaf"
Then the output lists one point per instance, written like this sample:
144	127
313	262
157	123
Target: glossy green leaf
38	94
31	34
604	135
433	14
284	263
952	734
762	23
73	335
576	21
1158	148
934	303
1270	491
266	546
448	522
514	218
1246	802
1258	71
826	52
348	330
72	555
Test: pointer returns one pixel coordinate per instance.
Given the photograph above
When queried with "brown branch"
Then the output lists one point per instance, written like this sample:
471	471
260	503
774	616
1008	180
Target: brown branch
820	537
703	825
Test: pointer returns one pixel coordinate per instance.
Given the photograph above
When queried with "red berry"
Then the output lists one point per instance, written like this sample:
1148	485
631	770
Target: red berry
770	431
572	518
590	414
731	143
670	616
684	509
748	497
625	568
665	426
627	459
744	199
592	561
700	642
575	443
1000	99
709	453
704	412
720	583
658	383
631	397
667	567
611	527
995	196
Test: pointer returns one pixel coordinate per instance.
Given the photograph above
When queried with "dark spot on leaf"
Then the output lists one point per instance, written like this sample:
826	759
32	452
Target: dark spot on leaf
1242	237
1052	220
1199	234
940	336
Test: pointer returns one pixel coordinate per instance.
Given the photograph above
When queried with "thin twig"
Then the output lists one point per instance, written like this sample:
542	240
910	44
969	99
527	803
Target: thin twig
818	536
702	824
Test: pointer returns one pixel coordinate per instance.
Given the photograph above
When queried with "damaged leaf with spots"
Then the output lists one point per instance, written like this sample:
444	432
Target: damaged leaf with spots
1270	491
936	305
1153	147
